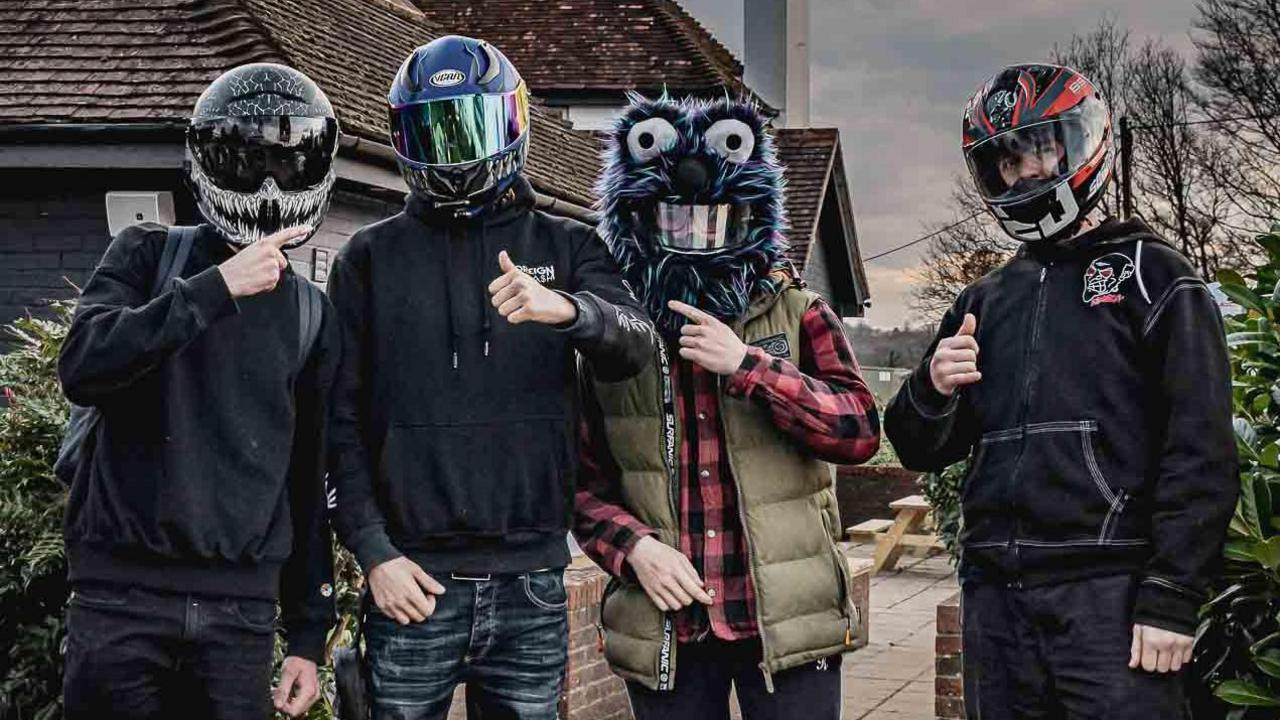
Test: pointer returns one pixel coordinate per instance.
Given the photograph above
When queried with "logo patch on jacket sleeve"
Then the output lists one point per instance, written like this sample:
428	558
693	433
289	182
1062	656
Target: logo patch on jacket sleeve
776	345
1103	278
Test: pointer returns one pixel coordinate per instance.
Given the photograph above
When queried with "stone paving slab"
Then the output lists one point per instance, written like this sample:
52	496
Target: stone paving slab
892	678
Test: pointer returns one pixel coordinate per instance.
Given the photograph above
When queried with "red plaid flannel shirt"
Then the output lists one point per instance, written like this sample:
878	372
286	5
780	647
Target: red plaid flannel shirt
823	404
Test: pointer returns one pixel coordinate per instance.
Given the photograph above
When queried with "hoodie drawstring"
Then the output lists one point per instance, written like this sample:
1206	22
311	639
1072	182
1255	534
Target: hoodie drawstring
485	321
451	306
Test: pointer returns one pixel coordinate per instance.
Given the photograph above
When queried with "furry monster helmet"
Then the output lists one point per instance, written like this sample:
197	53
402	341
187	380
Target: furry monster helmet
692	204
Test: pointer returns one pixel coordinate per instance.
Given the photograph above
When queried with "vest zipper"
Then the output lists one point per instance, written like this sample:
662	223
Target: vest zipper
667	651
742	518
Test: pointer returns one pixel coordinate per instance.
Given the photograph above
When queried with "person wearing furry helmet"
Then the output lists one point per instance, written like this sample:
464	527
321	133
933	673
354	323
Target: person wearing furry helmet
705	486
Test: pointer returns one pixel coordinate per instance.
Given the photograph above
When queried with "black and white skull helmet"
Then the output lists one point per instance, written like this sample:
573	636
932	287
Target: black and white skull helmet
260	150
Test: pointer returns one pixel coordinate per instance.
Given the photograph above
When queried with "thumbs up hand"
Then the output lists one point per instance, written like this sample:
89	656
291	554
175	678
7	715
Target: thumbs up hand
519	298
256	268
955	362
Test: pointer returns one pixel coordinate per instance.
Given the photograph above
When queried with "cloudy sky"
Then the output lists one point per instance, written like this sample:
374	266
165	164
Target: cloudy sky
894	75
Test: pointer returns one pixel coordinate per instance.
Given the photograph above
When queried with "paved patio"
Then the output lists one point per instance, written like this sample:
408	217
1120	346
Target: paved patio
892	678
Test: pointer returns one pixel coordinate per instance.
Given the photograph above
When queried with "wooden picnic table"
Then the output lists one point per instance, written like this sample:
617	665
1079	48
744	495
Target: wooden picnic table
892	536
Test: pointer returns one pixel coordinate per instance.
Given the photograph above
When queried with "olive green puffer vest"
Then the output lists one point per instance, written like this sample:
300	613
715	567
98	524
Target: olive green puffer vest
787	501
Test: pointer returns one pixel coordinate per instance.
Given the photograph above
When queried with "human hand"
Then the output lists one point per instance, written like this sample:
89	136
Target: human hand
708	342
666	575
299	688
519	298
403	591
955	361
1158	650
257	268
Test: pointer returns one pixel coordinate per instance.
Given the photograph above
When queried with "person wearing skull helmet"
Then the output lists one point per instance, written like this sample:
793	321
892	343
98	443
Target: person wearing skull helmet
1087	383
707	490
198	511
453	425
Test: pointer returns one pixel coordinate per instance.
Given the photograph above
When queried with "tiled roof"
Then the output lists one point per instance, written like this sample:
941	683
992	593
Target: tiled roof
92	61
807	154
596	45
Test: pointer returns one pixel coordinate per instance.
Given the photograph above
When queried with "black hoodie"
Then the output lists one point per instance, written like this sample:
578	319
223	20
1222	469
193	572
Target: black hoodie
207	473
1100	435
453	431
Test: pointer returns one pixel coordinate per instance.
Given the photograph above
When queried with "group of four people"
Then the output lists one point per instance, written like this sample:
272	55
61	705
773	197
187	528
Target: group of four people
484	377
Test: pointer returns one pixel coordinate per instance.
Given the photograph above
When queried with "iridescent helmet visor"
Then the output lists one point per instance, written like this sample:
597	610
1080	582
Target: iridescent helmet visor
459	129
695	229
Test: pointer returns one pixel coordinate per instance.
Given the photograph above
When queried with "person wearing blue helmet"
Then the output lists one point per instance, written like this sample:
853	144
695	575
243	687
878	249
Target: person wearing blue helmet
453	430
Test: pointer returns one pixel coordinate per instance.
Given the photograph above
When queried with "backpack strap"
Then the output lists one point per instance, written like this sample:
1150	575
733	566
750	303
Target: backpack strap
310	315
177	247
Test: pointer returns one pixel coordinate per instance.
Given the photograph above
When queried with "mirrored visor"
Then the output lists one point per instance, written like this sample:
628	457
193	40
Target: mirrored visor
239	153
696	229
461	129
1017	163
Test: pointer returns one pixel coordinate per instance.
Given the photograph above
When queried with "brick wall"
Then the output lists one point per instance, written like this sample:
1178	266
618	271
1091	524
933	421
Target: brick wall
864	492
45	245
948	682
53	230
592	691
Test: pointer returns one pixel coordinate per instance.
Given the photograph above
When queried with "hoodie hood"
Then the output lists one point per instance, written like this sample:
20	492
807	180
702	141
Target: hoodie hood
464	243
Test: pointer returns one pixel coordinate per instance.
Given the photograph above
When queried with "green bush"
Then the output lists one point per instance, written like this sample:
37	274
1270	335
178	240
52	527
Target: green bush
33	570
1237	653
942	491
33	587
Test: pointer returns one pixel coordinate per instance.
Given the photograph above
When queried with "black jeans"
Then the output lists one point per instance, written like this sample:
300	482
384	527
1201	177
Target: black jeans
134	654
506	637
706	671
1059	652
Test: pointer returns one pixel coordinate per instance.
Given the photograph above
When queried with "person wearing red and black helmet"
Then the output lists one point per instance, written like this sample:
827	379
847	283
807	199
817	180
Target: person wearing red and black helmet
1037	140
1086	382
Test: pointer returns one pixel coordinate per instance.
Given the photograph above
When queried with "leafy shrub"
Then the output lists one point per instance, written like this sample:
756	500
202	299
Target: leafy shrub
33	572
1237	653
942	491
33	569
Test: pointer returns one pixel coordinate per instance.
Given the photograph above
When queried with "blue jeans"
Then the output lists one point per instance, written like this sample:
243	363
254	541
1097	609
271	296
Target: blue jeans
135	654
505	637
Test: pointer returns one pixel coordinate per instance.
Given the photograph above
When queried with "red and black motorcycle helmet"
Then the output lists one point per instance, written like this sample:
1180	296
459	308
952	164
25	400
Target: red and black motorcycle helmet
1037	140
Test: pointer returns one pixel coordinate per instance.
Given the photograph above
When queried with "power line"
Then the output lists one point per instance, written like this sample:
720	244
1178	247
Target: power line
1210	121
921	239
961	221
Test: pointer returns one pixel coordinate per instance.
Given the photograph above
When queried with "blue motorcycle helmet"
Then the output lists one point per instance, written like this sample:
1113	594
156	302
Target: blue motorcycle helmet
459	117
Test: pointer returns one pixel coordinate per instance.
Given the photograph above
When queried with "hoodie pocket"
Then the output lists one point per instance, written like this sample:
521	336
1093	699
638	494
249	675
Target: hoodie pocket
496	480
985	499
1065	491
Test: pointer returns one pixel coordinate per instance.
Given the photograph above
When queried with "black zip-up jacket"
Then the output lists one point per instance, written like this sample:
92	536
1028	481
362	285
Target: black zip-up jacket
1100	435
453	430
207	473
